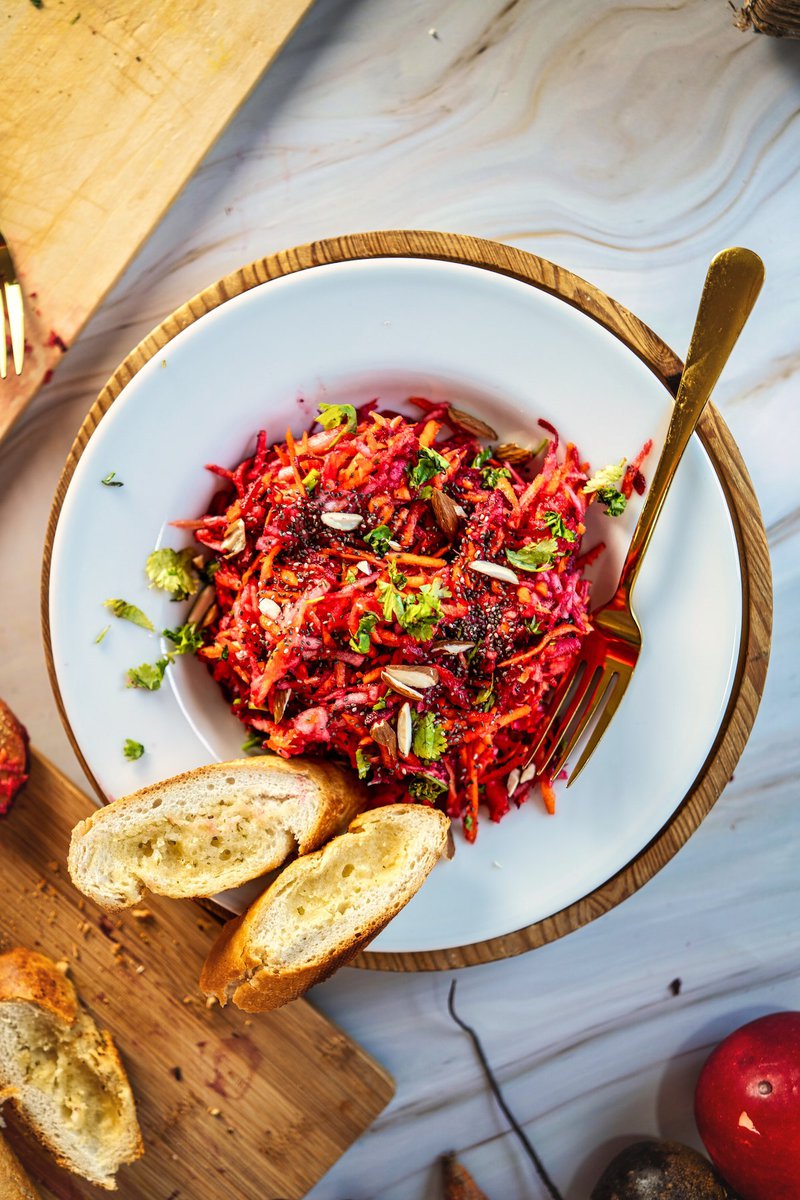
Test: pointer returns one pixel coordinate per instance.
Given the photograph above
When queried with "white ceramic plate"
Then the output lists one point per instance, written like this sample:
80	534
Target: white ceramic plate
391	328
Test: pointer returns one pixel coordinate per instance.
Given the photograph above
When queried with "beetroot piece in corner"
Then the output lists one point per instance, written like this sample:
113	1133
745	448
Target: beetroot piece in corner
14	758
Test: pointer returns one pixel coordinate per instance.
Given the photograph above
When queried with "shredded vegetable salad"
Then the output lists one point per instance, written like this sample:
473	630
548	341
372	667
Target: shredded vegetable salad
391	591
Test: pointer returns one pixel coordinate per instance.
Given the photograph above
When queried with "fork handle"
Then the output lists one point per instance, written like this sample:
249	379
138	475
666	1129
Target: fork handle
730	290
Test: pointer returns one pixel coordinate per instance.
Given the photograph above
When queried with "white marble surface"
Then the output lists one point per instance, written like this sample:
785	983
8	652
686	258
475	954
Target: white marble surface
628	142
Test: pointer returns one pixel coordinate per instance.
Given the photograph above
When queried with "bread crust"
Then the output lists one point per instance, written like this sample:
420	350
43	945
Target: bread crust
28	977
14	1183
233	971
340	797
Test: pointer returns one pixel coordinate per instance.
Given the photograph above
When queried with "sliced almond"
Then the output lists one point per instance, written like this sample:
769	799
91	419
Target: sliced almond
414	677
510	452
364	567
234	541
210	616
454	647
269	608
401	688
470	424
394	545
201	605
279	702
384	735
405	730
444	511
341	521
528	773
513	781
494	571
461	512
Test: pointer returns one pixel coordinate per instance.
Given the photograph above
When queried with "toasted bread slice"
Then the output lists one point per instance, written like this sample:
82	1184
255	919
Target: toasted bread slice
14	1183
210	829
61	1072
323	908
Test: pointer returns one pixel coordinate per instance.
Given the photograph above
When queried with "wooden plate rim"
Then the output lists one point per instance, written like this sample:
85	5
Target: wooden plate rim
716	438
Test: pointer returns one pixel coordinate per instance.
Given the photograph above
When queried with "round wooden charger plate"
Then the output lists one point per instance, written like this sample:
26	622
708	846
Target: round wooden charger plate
717	440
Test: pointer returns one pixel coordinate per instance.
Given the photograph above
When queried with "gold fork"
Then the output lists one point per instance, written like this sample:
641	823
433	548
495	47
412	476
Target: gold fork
609	653
16	313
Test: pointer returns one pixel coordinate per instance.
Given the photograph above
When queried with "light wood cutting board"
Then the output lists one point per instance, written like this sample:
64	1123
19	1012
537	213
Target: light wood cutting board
107	107
251	1108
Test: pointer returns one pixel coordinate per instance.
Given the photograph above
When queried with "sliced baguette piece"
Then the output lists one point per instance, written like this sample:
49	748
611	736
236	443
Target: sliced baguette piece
325	907
14	1183
62	1073
210	829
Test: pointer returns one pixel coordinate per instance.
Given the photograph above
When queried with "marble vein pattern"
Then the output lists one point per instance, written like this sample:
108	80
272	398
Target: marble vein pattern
628	142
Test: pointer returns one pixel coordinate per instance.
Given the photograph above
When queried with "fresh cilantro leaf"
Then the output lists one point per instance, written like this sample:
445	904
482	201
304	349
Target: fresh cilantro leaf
430	742
254	743
132	750
110	480
333	415
606	477
224	654
187	638
534	626
172	571
148	675
311	480
613	501
378	539
536	556
360	642
426	787
101	635
128	612
485	697
481	459
424	611
426	492
429	463
555	523
379	705
362	763
491	476
389	593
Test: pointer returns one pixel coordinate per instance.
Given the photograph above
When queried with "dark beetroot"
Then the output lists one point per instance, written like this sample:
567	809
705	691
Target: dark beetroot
13	757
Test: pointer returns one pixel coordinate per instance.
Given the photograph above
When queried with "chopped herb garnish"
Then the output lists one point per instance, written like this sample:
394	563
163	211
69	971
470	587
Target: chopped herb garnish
362	763
429	463
224	654
186	638
351	575
172	571
360	642
111	480
536	556
209	570
555	523
128	612
534	626
426	787
311	480
491	476
424	612
430	742
132	750
481	459
389	594
101	635
379	705
485	697
426	492
613	501
254	743
333	415
378	539
148	675
606	477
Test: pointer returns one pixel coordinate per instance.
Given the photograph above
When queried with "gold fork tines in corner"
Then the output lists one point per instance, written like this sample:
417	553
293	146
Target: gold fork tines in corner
11	309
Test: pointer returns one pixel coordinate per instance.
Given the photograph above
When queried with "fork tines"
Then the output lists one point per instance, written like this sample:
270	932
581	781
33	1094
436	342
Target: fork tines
12	310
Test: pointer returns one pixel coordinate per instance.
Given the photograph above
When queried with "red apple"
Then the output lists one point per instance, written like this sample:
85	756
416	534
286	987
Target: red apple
747	1108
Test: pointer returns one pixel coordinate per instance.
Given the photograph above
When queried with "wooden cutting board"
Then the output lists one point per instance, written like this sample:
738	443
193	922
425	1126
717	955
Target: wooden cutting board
107	107
251	1108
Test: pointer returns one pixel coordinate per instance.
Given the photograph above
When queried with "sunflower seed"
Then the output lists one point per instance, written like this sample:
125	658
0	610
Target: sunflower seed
234	541
474	425
269	608
342	521
528	774
494	571
364	567
405	730
510	452
279	704
411	677
384	735
444	511
512	783
453	647
201	605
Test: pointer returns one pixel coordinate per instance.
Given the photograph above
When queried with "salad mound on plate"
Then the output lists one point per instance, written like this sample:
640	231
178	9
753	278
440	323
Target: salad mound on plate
392	592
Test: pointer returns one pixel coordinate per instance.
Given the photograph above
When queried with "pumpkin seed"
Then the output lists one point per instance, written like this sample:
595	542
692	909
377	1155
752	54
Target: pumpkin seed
494	571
